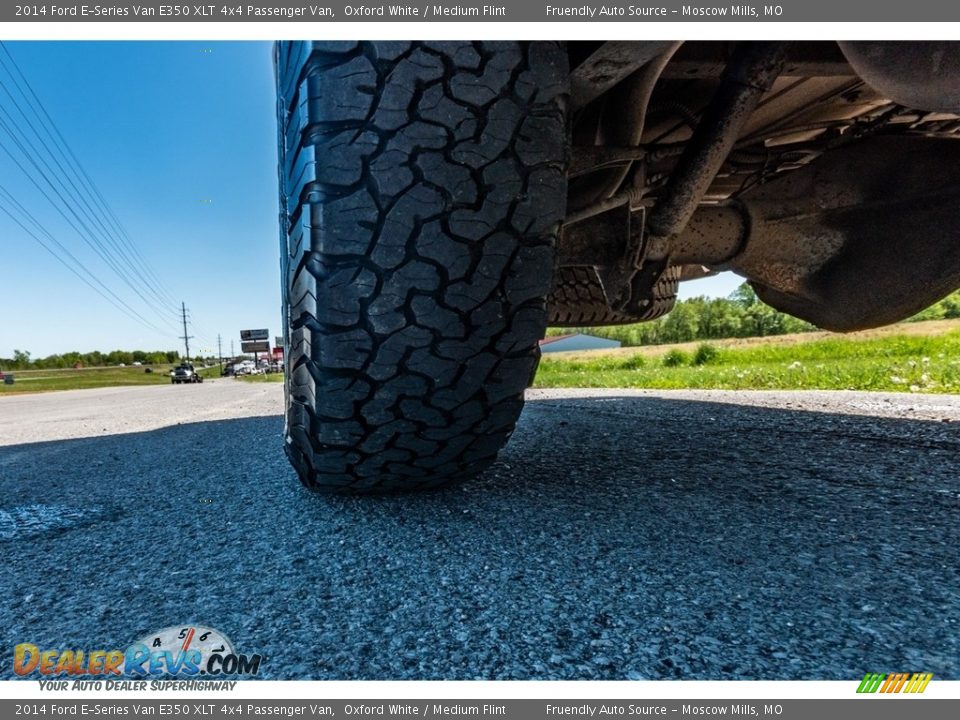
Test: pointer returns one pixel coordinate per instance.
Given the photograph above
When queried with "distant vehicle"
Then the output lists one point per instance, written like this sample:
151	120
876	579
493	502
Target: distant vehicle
245	367
137	363
185	373
121	364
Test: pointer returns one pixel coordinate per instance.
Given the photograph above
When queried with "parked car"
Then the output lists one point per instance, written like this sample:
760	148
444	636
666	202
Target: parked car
245	367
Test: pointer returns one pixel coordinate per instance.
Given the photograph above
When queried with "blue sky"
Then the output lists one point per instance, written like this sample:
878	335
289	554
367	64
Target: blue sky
179	138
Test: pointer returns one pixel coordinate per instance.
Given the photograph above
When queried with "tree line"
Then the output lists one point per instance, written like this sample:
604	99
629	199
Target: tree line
739	315
21	359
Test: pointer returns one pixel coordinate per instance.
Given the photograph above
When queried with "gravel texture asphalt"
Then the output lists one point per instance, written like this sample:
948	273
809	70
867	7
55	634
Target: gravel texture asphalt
621	535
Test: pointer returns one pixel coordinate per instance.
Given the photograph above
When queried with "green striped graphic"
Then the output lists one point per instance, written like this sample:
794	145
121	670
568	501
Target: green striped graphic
894	683
870	683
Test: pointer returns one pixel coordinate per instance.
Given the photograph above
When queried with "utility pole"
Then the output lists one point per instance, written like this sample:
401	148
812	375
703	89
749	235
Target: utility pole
185	337
232	354
220	353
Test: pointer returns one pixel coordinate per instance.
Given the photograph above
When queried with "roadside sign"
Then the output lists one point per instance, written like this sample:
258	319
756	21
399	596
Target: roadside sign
263	334
255	346
277	341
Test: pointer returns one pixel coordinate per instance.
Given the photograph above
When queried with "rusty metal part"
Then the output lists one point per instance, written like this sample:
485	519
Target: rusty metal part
631	198
616	274
707	60
596	157
609	65
864	236
918	74
599	241
695	272
617	122
751	72
623	123
713	236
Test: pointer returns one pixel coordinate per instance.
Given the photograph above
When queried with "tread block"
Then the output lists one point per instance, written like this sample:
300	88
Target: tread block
422	187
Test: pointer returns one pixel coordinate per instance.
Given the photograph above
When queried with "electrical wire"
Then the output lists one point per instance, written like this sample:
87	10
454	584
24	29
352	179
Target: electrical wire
91	243
124	244
105	293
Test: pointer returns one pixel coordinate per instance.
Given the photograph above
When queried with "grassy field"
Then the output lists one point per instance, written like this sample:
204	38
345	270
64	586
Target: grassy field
269	377
913	357
70	379
909	361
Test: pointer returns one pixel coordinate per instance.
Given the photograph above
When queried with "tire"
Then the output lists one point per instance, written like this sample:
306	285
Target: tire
577	299
422	188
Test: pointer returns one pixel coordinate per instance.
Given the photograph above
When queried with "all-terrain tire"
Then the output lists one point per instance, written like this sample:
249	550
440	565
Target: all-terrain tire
577	299
422	188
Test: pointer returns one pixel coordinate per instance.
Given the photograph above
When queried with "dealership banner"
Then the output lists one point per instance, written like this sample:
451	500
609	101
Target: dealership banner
465	10
447	709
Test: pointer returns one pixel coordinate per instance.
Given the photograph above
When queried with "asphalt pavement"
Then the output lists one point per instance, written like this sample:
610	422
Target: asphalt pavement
621	535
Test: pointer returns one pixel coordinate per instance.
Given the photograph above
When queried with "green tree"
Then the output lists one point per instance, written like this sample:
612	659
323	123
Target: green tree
744	296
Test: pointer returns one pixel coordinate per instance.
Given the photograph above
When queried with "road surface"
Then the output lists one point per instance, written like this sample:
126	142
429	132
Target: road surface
622	535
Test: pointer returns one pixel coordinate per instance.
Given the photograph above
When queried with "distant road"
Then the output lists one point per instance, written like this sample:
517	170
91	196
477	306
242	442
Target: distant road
621	535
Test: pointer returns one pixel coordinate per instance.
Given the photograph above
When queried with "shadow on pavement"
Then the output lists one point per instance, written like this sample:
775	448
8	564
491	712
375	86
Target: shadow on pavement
615	538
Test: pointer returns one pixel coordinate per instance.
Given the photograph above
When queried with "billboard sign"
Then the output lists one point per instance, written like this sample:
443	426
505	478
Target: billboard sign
255	346
263	334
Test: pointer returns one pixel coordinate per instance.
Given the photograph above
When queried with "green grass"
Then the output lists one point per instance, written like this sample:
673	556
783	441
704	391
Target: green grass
894	363
914	363
85	378
271	377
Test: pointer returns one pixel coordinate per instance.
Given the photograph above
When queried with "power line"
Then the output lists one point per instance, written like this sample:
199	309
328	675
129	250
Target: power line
101	229
109	295
76	195
87	237
118	260
119	237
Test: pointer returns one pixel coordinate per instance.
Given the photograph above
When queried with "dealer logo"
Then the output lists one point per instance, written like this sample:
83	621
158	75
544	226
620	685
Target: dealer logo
178	651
